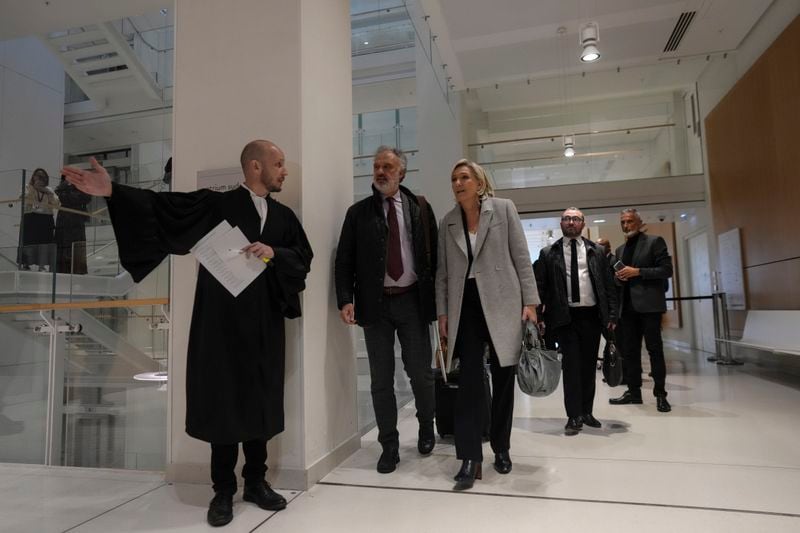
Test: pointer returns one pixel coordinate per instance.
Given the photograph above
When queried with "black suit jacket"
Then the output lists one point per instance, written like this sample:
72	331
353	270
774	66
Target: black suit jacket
551	280
652	259
360	264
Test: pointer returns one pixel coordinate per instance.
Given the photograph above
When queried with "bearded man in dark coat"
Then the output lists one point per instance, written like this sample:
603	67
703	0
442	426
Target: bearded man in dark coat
235	359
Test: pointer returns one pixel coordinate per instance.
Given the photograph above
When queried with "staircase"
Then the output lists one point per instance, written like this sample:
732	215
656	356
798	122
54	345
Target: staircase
101	62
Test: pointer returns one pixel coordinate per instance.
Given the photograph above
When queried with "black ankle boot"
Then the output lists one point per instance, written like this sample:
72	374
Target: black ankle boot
220	510
469	472
502	462
261	494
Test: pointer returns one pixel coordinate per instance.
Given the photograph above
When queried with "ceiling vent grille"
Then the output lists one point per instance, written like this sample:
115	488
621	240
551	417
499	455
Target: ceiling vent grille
679	31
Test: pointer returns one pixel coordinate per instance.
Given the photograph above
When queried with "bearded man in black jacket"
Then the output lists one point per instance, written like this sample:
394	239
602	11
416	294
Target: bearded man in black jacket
385	266
578	300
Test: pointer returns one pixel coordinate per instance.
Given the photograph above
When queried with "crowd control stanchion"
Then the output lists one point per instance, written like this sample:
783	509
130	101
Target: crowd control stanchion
722	328
724	356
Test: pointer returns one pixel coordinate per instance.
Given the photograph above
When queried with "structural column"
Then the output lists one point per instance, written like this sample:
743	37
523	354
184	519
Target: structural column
277	70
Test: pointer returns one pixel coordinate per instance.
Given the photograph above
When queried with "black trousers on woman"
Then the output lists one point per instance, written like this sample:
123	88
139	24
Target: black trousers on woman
223	461
471	401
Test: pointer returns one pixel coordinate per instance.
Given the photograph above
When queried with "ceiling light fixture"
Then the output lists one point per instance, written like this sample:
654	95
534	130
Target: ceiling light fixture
588	38
598	221
569	146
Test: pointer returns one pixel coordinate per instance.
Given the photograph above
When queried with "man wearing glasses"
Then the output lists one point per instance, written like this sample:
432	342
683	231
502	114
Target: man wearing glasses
579	299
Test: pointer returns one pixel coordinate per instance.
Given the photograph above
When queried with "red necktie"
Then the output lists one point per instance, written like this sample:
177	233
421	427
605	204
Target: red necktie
394	261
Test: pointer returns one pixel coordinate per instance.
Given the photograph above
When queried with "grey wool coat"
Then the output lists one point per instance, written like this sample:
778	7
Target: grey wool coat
503	273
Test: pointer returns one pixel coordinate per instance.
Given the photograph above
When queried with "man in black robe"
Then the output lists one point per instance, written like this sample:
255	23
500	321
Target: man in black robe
235	359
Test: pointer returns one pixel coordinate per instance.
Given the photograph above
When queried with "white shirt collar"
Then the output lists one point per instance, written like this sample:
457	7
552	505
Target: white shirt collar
260	203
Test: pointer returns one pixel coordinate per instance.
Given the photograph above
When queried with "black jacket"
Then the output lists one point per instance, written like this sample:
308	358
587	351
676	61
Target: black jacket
551	279
652	258
361	256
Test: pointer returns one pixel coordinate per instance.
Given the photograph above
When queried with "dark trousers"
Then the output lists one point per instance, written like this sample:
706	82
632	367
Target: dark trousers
635	326
470	408
401	314
223	461
579	341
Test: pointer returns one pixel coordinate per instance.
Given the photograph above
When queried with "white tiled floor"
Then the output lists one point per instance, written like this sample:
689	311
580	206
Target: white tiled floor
725	459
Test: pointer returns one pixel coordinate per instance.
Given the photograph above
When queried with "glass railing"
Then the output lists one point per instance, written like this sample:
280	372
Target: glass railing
75	391
426	39
59	246
154	48
643	151
382	37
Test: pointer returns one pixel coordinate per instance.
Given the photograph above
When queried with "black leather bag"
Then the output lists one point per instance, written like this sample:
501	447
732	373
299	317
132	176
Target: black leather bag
539	369
612	363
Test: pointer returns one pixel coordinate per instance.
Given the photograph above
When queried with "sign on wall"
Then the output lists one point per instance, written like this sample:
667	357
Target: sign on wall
730	266
221	180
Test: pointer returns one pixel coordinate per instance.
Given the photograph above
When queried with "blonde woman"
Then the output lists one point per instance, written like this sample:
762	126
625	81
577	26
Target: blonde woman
485	291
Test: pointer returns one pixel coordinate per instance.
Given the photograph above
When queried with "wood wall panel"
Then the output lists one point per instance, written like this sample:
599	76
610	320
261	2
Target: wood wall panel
774	286
754	166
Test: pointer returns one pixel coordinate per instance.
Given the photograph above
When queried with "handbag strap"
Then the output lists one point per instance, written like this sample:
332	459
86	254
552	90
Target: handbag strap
466	238
426	224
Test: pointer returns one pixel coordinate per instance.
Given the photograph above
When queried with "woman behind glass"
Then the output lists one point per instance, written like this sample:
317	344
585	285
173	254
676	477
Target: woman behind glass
485	291
40	203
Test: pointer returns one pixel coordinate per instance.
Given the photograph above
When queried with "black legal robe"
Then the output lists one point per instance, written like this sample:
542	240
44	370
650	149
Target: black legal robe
235	360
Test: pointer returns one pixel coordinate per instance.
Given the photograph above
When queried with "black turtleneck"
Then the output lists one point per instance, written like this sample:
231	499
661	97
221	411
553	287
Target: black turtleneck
627	259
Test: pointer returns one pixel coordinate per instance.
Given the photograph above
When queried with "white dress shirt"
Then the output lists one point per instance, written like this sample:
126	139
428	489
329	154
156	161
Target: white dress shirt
584	282
261	205
409	276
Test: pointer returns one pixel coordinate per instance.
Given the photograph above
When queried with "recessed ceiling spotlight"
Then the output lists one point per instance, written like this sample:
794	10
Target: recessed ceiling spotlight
366	42
588	38
684	215
569	146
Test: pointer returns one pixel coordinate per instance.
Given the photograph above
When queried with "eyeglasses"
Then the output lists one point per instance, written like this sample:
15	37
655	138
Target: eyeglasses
572	219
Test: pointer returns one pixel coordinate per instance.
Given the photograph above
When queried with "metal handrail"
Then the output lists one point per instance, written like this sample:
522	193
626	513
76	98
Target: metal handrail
153	48
94	304
581	133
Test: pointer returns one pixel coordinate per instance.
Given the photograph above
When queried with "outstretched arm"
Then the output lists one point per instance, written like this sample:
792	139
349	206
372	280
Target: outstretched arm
95	182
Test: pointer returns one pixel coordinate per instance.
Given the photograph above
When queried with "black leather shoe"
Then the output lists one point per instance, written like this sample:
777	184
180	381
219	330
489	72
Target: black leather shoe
388	460
574	425
662	404
591	421
262	495
426	441
469	472
220	510
502	462
626	398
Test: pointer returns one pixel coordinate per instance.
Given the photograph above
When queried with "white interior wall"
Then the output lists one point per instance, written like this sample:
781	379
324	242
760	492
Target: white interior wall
266	84
439	137
392	94
330	414
31	122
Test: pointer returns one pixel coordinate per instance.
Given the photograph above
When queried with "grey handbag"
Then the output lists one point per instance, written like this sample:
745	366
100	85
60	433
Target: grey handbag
539	369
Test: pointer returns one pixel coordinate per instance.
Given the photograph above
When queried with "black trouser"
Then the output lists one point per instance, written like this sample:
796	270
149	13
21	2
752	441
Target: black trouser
471	401
223	461
634	326
400	313
579	341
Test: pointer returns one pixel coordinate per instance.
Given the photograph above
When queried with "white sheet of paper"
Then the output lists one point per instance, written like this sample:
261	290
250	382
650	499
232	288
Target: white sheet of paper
220	253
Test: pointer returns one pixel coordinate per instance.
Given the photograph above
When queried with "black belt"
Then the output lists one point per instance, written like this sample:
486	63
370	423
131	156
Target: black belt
396	291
